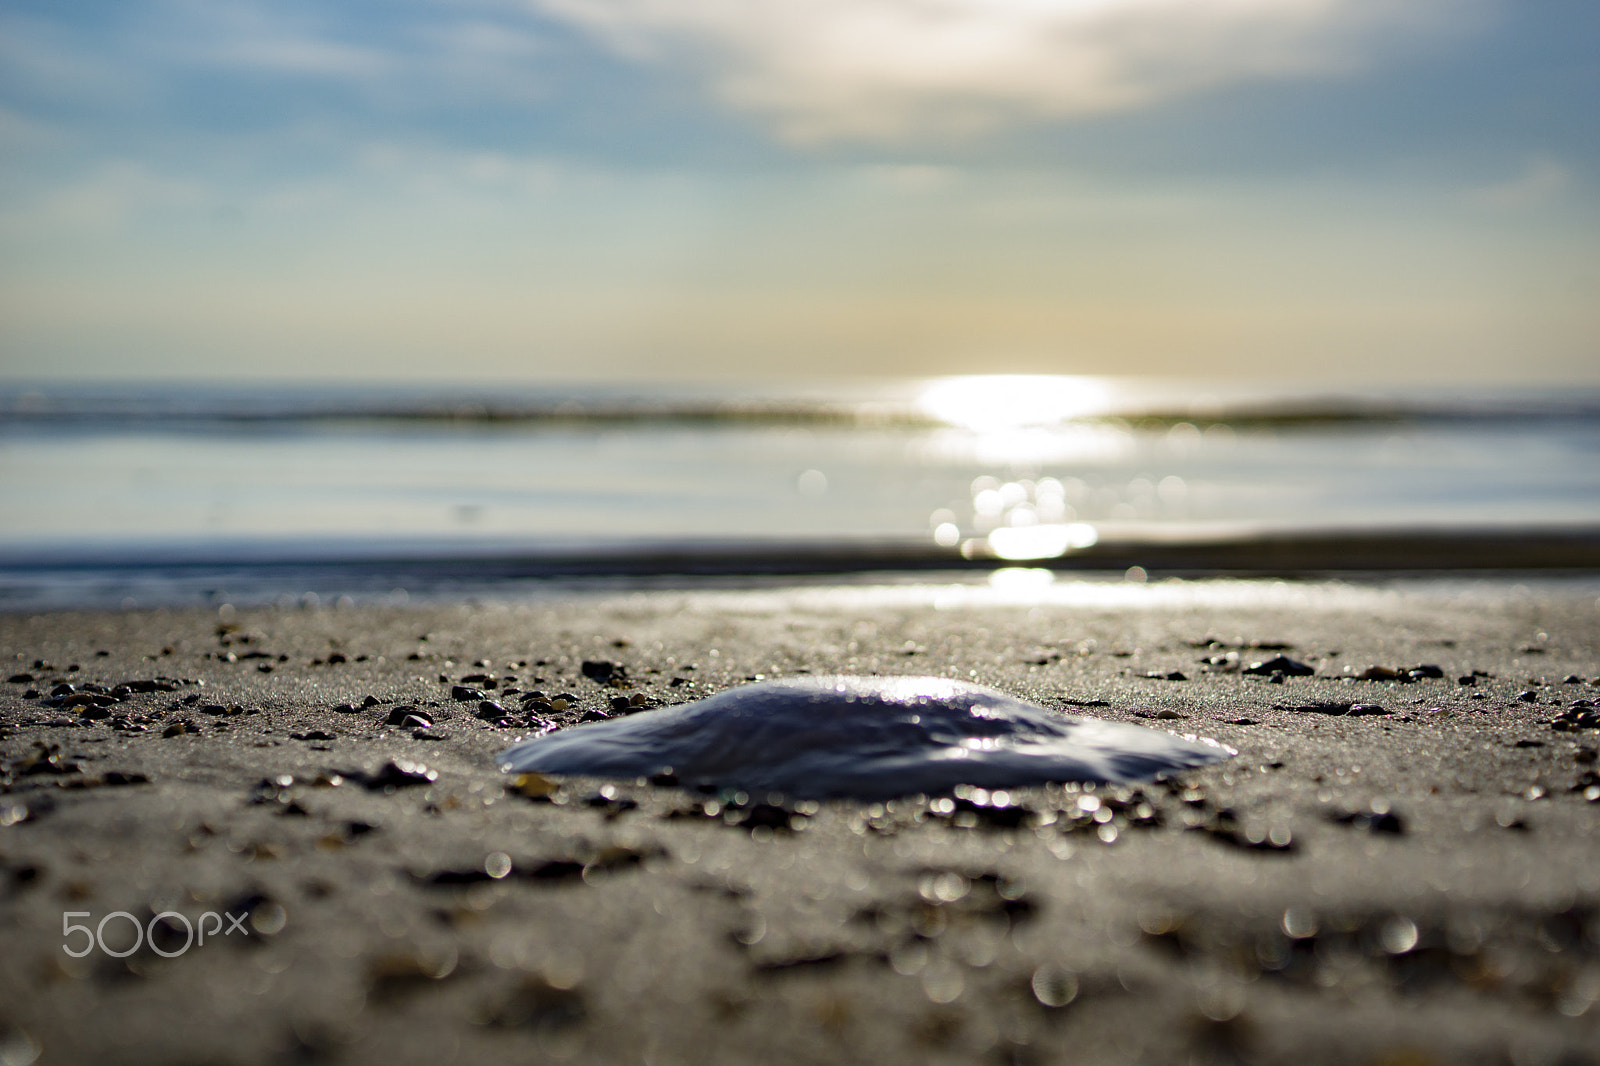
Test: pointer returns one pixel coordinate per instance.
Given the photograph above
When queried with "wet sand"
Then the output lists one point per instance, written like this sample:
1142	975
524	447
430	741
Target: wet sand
1420	885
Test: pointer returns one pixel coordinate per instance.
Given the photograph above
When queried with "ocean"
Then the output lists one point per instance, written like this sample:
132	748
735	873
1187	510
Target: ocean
124	495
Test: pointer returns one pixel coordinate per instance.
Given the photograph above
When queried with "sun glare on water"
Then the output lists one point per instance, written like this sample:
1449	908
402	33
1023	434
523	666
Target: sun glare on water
1024	420
995	402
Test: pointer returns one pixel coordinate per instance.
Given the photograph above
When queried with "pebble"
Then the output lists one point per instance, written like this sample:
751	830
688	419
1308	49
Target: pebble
1280	664
601	670
401	716
490	711
395	774
463	694
1378	818
1576	718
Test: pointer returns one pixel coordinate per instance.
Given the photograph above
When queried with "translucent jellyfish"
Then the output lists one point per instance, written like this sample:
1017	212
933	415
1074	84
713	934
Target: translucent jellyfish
862	737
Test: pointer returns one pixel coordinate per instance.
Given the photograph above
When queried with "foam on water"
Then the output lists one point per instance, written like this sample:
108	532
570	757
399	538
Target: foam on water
862	737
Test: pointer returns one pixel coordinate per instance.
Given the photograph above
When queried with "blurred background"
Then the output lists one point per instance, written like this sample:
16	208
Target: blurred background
326	279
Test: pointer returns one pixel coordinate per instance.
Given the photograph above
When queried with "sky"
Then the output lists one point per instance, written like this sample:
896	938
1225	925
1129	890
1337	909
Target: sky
1366	191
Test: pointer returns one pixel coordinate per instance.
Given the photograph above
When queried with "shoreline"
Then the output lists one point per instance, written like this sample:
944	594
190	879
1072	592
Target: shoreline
1412	886
260	573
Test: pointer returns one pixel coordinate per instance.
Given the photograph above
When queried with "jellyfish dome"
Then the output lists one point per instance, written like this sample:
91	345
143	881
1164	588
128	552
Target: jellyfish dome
864	738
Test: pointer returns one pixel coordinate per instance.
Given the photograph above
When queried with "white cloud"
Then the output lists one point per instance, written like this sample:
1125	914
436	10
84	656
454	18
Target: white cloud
101	201
248	35
824	70
1540	181
19	133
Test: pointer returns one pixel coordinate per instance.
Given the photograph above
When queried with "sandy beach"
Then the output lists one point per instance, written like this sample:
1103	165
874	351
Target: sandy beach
1415	881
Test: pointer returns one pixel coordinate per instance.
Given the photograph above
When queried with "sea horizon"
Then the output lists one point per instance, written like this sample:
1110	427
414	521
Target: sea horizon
363	484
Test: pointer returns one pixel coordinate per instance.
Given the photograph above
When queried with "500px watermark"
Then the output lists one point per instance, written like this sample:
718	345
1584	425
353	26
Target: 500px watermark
193	932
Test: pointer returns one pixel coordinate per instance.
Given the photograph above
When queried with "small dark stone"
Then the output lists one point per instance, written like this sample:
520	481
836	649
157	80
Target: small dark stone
1280	664
94	713
1425	670
371	701
612	805
20	679
621	705
315	734
453	878
666	779
595	716
769	815
1383	821
395	774
1528	696
63	689
337	657
603	670
556	870
401	715
46	761
1011	816
490	711
1572	679
348	708
1466	680
464	694
1224	831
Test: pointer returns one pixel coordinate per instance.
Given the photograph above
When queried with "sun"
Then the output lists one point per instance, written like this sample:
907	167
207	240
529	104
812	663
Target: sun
988	403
